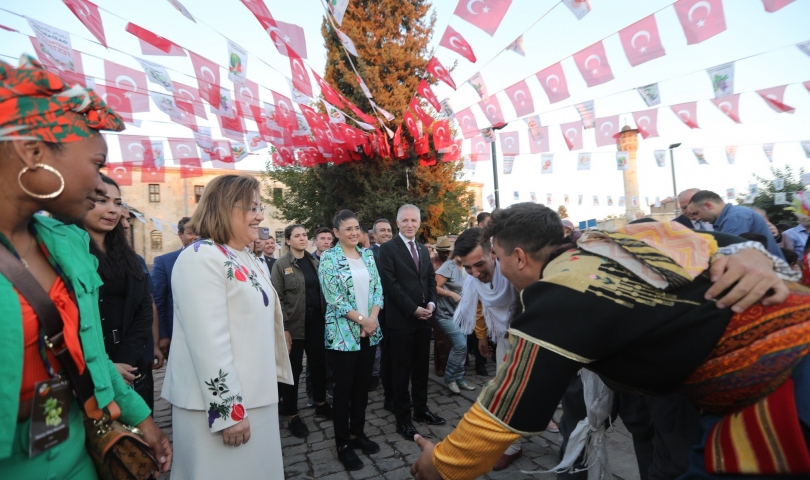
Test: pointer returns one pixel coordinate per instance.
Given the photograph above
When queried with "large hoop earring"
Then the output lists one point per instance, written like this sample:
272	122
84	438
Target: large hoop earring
49	168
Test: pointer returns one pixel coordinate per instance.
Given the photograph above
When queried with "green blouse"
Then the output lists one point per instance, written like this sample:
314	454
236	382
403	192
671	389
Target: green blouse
70	248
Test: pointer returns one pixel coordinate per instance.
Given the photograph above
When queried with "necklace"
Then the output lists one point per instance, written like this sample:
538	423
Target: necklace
22	257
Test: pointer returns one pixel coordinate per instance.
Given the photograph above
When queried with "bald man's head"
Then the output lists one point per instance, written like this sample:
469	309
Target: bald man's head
685	196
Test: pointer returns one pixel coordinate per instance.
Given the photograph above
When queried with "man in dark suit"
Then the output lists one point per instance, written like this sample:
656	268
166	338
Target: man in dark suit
409	286
382	365
688	218
162	281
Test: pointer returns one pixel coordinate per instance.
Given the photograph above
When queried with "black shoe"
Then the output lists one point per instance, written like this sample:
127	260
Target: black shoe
429	418
349	459
481	369
387	405
297	427
407	430
324	410
373	384
367	446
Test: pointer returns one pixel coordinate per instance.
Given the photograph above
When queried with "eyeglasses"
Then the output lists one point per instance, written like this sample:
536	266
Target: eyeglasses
253	210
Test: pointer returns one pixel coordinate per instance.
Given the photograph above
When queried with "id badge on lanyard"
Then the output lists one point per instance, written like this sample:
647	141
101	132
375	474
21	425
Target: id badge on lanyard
50	414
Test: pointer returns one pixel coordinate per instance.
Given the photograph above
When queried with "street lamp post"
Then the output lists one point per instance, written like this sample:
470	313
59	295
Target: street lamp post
672	165
495	168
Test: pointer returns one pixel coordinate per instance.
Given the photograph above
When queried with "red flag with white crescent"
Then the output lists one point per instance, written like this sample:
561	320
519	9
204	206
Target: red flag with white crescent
354	108
115	98
329	93
207	73
399	149
775	5
521	98
420	145
410	122
121	173
510	143
647	122
552	79
134	148
190	168
641	41
427	93
288	36
484	14
300	77
151	172
593	65
687	112
452	152
131	80
247	94
420	112
480	150
223	151
572	133
436	69
774	98
466	120
606	131
162	44
441	134
492	110
285	115
87	13
183	148
260	11
700	19
455	42
729	105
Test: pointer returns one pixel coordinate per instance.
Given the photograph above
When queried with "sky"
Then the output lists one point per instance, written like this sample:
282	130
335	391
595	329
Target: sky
761	44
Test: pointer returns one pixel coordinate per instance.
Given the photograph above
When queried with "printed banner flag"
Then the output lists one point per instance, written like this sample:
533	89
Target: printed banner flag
657	202
607	131
634	202
774	98
552	79
700	19
565	196
516	196
622	160
538	142
806	148
225	106
593	65
722	77
804	47
584	161
446	110
87	13
180	8
548	199
547	163
468	163
436	69
595	200
621	201
239	151
572	133
649	93
660	157
517	46
487	16
347	42
701	158
488	134
166	104
491	200
54	43
779	184
237	63
609	201
156	73
477	82
202	137
730	195
768	149
338	8
731	152
255	141
508	163
535	131
579	200
455	42
730	106
335	115
521	98
687	113
579	8
641	41
780	198
585	110
532	197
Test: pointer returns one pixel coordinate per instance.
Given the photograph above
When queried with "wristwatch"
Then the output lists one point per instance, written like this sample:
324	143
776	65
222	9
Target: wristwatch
359	319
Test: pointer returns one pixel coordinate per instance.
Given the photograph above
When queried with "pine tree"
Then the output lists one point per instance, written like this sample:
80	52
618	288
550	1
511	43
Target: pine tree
391	39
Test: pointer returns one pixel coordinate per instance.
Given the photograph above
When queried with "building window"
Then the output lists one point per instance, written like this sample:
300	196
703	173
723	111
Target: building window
154	193
198	191
279	236
157	240
277	195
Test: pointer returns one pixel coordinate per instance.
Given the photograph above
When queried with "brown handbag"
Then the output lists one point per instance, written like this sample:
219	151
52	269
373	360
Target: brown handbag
118	451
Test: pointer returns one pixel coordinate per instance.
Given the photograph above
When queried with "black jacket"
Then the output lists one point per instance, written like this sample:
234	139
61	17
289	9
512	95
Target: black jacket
136	324
684	220
404	288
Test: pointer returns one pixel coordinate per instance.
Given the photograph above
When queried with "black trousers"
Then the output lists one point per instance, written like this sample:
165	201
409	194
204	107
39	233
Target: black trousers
411	349
472	346
677	429
316	362
386	378
352	376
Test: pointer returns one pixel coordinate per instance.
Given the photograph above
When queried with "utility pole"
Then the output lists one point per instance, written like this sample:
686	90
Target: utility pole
495	167
672	165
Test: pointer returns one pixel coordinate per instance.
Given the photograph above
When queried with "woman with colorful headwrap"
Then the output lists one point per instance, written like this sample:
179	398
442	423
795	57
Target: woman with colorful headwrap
50	155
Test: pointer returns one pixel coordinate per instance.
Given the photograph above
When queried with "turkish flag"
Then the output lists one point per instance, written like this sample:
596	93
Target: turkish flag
452	152
286	155
87	13
151	172
700	19
441	134
121	173
329	93
420	145
334	133
134	148
466	120
423	117
572	133
233	128
487	16
807	85
207	73
774	98
436	69
521	98
552	79
730	105
607	131
687	112
455	42
492	110
185	119
288	36
156	41
773	5
285	115
641	41
322	137
354	108
480	150
115	98
133	81
183	148
353	137
427	161
647	122
174	51
190	168
300	77
223	151
188	99
260	11
410	122
510	143
400	150
427	93
593	65
248	94
311	116
539	143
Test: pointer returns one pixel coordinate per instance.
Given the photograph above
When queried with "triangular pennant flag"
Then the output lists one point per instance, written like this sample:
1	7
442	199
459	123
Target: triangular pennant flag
347	42
477	82
436	69
774	98
338	9
701	158
517	46
768	149
730	106
687	113
455	42
579	8
647	122
731	153
384	113
180	8
87	13
650	95
585	110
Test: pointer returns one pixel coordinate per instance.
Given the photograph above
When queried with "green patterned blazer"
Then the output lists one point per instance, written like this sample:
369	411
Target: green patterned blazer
338	289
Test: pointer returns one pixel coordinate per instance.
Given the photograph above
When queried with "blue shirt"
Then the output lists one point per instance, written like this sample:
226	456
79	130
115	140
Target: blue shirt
736	220
798	237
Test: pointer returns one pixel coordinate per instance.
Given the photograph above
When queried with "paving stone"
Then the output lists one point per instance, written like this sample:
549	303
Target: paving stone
336	476
303	448
389	464
369	471
292	441
325	467
399	474
321	445
293	459
296	469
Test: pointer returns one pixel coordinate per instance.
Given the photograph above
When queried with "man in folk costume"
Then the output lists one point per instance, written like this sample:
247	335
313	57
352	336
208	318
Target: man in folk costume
485	285
636	307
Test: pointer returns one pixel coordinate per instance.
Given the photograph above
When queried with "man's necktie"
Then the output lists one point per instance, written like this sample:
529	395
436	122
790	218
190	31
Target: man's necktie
414	256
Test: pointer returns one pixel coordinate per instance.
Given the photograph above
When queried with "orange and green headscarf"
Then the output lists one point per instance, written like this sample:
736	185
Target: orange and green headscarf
38	105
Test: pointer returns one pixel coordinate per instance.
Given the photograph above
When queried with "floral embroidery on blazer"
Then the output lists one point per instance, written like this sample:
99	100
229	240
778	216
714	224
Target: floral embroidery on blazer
338	289
234	270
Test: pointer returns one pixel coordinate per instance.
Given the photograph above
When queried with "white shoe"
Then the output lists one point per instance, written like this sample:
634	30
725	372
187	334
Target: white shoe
453	386
466	386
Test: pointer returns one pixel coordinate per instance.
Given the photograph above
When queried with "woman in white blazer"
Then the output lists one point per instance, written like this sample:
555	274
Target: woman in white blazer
228	347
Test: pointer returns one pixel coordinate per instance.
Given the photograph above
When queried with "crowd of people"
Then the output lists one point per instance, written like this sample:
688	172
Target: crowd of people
695	332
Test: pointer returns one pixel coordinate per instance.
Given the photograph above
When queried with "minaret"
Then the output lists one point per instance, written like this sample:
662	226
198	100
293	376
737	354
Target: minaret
628	142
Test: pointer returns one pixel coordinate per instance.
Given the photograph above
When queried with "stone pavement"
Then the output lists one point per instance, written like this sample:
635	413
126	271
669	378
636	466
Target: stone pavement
315	457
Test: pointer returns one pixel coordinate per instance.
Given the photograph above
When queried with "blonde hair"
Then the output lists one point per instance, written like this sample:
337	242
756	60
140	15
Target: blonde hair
212	219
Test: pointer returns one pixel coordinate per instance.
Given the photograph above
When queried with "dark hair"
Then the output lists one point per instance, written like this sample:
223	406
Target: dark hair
118	260
482	217
321	230
364	229
526	225
791	257
288	231
468	240
381	220
443	255
755	237
181	224
783	226
706	195
342	216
